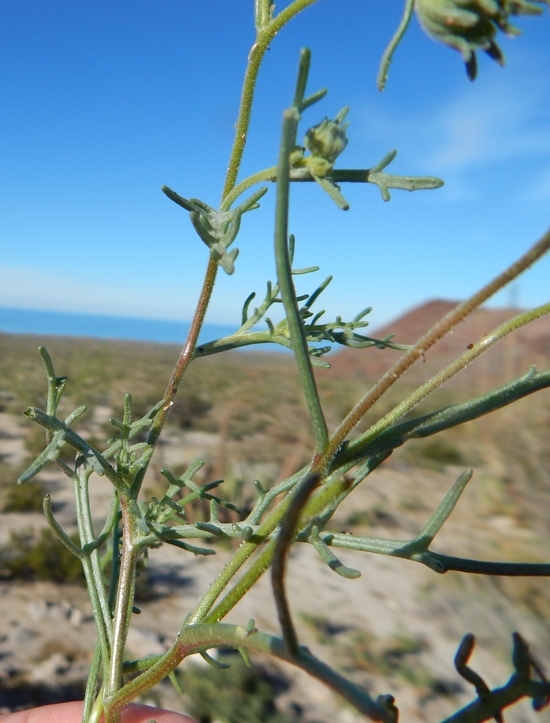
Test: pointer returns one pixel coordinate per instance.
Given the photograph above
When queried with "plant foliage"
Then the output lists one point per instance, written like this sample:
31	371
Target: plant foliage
297	509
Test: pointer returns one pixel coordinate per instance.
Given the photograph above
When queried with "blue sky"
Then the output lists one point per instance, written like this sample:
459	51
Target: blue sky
104	102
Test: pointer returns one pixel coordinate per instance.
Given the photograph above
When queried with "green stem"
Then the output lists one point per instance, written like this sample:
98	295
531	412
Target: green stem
58	530
239	340
321	462
264	36
91	684
194	638
236	562
268	554
247	581
441	563
268	174
296	330
338	175
282	544
262	562
452	370
91	565
124	602
255	58
437	332
394	42
262	13
297	333
445	418
184	360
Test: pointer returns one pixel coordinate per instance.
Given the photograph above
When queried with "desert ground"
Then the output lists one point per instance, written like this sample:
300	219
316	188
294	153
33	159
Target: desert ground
394	629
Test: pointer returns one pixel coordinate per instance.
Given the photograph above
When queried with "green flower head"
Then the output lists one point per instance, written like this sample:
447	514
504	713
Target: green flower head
328	139
325	142
471	25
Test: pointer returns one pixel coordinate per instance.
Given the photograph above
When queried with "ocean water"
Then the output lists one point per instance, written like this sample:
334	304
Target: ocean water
57	323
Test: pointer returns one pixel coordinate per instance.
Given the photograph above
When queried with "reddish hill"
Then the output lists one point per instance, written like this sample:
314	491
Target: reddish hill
507	359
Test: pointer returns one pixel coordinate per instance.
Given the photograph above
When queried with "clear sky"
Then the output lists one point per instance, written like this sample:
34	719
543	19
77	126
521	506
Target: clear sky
103	102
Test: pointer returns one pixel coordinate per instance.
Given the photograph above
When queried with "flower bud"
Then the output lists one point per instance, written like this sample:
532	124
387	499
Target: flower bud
328	139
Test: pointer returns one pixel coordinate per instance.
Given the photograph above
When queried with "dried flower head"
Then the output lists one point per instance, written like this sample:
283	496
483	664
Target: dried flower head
471	25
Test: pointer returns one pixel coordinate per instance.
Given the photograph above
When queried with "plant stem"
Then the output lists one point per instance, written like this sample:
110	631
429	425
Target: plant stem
92	566
255	58
338	175
264	36
394	42
452	370
187	352
236	562
321	462
445	418
200	637
260	564
443	327
286	285
124	602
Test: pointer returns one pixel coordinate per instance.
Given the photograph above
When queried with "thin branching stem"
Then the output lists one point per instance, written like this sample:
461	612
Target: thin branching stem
264	559
446	418
124	601
291	118
282	545
260	564
264	36
453	369
307	500
92	566
321	462
186	355
338	175
286	285
238	559
91	684
394	42
198	637
434	560
437	332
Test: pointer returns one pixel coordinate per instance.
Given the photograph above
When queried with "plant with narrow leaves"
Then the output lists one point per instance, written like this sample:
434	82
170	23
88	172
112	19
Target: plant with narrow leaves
297	509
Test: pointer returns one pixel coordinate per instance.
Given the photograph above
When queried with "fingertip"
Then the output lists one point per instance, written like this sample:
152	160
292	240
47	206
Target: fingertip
72	713
144	713
55	713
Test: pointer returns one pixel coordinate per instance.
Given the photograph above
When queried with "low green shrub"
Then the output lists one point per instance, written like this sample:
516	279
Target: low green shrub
23	498
43	558
237	694
396	656
436	453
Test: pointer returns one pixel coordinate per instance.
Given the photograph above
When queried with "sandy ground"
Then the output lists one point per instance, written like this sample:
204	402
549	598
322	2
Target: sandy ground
47	632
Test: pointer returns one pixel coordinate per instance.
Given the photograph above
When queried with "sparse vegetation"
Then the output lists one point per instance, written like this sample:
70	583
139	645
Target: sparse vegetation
331	442
28	557
23	499
236	694
438	453
396	656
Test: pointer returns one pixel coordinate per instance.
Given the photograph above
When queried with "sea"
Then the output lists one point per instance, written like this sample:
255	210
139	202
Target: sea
58	323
